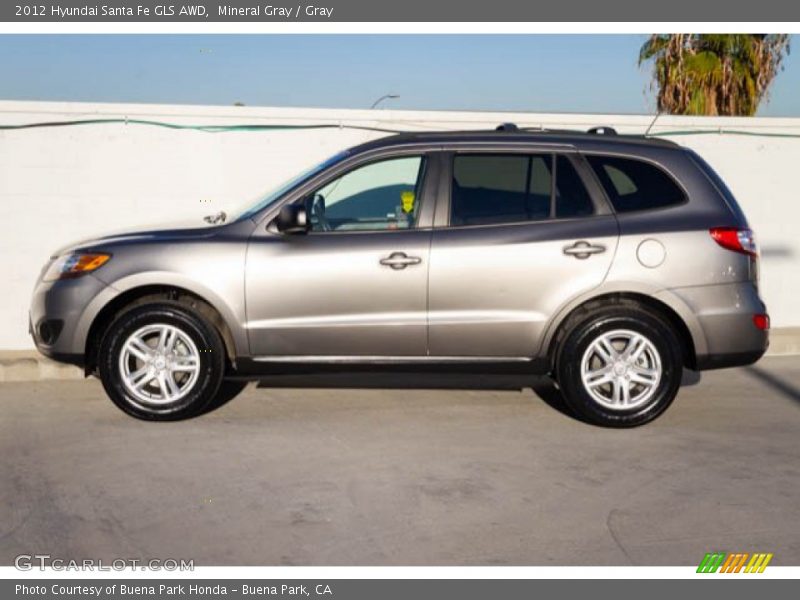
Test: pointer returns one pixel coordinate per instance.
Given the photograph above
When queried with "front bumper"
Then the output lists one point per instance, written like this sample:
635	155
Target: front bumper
60	316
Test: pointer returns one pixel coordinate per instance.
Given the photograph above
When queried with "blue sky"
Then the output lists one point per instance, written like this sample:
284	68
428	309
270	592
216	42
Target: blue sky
564	73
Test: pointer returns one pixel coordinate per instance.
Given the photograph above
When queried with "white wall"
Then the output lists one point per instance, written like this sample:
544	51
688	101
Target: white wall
59	185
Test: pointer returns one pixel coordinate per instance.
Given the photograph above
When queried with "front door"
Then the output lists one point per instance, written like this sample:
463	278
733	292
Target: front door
524	237
356	284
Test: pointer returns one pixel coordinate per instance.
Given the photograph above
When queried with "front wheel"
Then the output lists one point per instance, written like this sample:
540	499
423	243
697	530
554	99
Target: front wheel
161	362
619	366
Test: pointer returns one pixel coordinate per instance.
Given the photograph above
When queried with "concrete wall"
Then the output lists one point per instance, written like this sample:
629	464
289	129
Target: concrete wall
62	184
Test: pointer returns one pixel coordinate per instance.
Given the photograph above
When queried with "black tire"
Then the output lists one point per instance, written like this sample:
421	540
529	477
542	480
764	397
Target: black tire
598	319
198	396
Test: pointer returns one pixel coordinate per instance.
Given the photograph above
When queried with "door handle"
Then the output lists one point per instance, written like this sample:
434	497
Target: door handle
583	249
400	260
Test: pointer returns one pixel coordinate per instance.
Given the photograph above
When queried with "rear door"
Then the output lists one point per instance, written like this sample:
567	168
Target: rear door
520	235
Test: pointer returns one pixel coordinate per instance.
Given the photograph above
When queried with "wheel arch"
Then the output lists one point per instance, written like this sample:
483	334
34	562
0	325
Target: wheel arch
144	294
668	306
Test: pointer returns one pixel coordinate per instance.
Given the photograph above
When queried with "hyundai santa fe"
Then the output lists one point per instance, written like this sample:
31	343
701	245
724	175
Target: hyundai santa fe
608	262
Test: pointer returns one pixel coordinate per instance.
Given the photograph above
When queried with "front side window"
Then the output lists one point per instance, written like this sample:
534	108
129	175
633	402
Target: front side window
492	189
382	195
634	184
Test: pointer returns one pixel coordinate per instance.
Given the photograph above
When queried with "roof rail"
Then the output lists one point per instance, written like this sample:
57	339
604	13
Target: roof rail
602	130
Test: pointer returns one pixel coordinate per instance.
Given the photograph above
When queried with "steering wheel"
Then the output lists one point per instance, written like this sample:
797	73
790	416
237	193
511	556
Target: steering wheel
318	212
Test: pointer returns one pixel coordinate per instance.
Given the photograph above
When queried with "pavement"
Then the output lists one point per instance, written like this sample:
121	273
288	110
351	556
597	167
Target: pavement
283	476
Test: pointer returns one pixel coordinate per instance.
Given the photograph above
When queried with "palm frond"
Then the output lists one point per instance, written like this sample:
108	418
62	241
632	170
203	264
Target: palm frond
726	74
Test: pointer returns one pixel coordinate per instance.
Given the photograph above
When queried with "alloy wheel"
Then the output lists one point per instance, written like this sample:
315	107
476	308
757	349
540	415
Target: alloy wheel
621	369
159	364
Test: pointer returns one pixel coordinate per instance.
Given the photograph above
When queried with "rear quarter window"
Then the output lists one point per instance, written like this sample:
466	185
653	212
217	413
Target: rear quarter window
634	185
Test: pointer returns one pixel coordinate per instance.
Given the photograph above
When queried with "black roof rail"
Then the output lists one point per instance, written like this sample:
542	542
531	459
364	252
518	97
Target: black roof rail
599	130
561	136
602	130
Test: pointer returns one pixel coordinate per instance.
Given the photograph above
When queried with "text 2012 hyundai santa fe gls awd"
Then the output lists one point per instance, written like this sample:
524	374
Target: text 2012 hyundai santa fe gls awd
609	262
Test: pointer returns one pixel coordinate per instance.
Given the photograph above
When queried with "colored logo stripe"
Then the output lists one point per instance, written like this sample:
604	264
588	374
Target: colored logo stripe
734	562
711	562
758	563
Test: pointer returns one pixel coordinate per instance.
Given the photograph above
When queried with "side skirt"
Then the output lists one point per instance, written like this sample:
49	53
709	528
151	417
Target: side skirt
400	372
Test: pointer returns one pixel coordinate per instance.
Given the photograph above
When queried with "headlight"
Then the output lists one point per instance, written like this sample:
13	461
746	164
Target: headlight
75	264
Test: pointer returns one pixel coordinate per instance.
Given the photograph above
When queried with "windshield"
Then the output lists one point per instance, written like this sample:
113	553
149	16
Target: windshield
251	209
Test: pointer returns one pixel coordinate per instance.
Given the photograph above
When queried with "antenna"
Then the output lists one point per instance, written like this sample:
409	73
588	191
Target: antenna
653	122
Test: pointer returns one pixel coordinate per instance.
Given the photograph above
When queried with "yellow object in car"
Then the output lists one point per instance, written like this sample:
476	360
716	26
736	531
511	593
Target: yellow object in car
407	199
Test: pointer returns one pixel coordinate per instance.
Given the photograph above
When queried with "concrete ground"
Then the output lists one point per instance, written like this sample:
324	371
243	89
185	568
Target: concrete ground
321	476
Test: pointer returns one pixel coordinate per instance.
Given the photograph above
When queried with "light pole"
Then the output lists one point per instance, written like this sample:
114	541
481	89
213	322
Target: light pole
384	97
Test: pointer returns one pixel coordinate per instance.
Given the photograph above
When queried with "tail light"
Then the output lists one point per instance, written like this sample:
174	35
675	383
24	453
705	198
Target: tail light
761	321
736	239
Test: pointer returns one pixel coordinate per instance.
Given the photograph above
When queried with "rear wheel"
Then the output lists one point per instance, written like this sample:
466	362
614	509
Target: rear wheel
619	366
162	362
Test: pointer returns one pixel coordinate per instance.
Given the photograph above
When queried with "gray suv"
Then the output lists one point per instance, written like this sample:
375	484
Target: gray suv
608	262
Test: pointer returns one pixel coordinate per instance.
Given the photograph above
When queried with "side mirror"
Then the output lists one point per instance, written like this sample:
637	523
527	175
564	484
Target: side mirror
293	218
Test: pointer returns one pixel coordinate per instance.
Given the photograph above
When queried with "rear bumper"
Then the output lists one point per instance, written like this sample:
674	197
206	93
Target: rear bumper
728	359
725	316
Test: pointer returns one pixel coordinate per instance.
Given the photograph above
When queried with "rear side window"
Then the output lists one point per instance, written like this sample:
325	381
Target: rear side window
492	189
634	184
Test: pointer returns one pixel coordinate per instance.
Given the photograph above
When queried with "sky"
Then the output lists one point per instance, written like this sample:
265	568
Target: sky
545	73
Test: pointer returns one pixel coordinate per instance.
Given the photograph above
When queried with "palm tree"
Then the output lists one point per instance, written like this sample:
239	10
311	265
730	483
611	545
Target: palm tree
714	74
